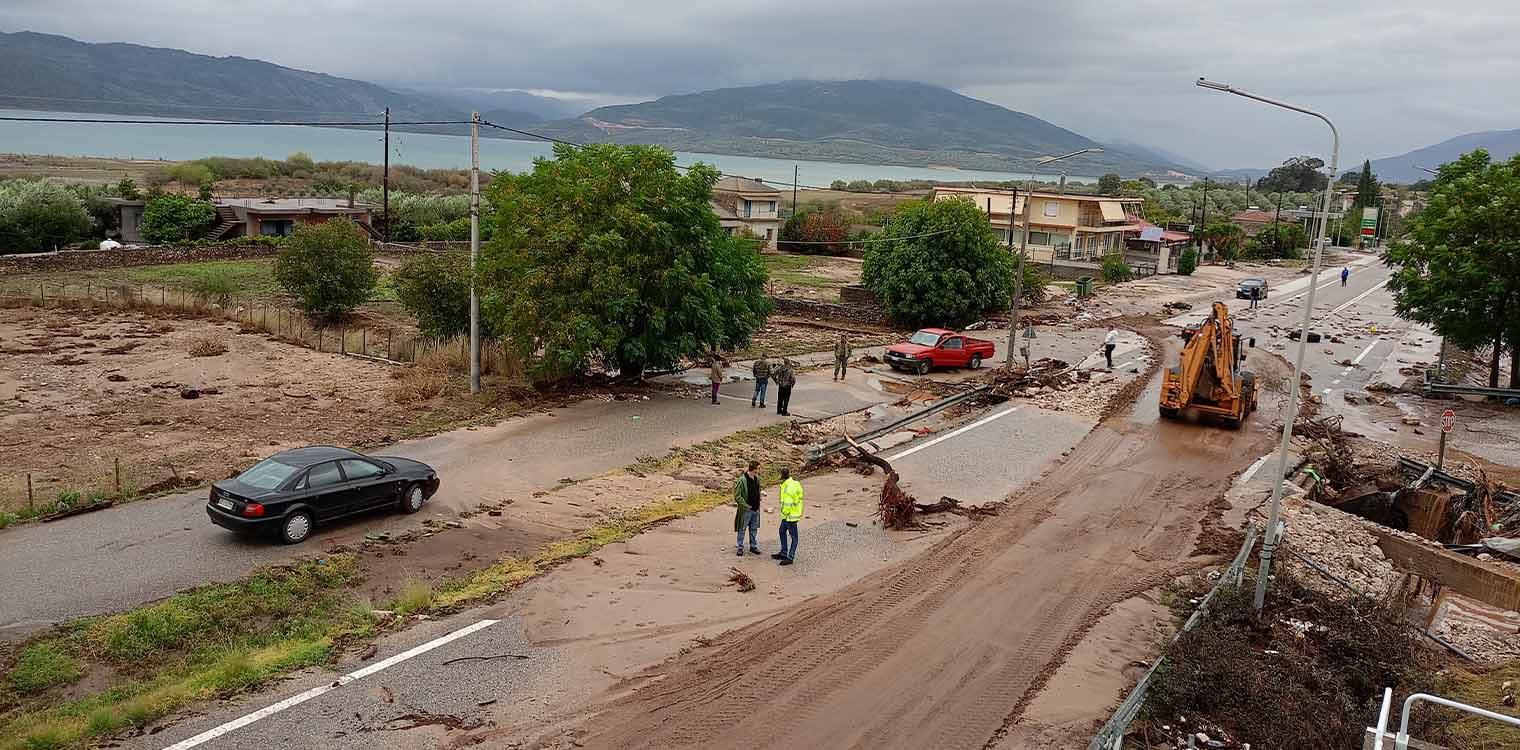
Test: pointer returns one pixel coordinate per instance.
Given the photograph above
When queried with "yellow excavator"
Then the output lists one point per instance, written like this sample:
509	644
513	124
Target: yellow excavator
1208	379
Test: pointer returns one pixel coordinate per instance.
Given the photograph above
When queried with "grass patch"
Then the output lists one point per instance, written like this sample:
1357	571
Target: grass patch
793	269
211	641
225	278
416	596
1484	690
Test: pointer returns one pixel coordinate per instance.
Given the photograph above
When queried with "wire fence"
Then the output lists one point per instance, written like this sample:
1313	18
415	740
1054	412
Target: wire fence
386	343
1111	735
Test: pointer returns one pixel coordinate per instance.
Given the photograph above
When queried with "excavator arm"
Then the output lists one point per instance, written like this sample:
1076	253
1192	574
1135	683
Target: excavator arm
1206	376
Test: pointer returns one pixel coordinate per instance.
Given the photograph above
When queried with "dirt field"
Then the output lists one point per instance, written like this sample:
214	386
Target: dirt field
82	388
82	169
813	277
918	655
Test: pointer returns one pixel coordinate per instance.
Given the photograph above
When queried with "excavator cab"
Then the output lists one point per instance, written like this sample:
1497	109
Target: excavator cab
1209	377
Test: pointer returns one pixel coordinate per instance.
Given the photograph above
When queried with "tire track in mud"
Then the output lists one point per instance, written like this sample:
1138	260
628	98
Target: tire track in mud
946	649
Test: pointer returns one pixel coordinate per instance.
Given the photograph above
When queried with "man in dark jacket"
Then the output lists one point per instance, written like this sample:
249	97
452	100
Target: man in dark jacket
762	371
785	379
747	509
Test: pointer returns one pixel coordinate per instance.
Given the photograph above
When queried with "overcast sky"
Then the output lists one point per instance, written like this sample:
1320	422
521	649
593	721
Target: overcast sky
1393	74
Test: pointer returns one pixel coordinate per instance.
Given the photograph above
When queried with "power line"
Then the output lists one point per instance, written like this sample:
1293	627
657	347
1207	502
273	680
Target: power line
862	241
319	124
166	105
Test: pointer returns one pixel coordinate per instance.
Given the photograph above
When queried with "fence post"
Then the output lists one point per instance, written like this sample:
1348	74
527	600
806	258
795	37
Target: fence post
342	340
319	338
389	334
117	461
163	296
89	291
42	291
31	503
364	340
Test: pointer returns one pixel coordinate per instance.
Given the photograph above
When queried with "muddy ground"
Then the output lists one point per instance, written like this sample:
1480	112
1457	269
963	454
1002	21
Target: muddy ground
81	389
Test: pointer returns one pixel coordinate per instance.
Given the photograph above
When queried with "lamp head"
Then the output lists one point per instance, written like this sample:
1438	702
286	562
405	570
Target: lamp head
1206	83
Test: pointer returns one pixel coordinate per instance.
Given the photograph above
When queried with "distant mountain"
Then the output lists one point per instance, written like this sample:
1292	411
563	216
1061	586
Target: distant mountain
1156	154
884	122
525	107
1501	144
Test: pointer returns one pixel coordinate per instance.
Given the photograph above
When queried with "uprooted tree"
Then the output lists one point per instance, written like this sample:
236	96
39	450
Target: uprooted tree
1459	269
607	255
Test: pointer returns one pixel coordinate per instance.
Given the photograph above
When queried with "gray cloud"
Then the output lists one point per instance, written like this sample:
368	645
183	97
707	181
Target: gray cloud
1395	74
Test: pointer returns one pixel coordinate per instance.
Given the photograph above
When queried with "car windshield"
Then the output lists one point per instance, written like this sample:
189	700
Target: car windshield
267	474
1253	282
924	338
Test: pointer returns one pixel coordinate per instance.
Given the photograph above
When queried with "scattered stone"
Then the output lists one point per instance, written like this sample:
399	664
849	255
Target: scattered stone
116	378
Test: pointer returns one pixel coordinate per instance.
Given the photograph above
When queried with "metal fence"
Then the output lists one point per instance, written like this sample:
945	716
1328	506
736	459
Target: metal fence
1111	735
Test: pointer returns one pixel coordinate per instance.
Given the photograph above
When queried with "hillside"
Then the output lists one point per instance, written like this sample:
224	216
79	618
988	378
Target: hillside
1501	144
49	72
888	122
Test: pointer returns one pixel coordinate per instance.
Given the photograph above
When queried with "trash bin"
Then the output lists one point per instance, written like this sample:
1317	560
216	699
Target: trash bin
1084	286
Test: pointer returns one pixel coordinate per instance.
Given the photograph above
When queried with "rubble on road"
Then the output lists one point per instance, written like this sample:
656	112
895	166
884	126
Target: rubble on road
1339	542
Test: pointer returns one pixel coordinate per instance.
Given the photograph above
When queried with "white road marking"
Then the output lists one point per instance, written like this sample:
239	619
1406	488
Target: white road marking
1336	381
1364	354
1251	472
1352	301
299	698
1306	291
1126	365
953	433
1327	391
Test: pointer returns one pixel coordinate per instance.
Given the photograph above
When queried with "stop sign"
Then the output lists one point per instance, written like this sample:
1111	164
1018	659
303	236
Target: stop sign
1448	420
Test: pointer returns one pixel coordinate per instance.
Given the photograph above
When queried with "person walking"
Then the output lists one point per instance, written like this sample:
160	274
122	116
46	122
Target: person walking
786	377
715	376
747	509
1110	341
1345	274
841	357
762	372
791	513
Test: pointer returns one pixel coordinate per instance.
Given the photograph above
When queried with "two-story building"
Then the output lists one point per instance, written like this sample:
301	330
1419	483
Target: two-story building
1069	234
750	204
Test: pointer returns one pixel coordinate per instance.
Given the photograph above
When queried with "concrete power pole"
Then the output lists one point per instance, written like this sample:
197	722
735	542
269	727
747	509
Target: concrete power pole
385	179
1018	277
795	172
474	251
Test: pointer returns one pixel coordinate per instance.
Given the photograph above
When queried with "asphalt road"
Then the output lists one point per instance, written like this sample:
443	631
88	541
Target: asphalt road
139	552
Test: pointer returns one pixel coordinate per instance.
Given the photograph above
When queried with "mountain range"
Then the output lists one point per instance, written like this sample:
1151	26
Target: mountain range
881	122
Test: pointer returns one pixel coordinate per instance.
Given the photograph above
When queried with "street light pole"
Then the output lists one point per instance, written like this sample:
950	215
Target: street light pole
1269	544
1018	278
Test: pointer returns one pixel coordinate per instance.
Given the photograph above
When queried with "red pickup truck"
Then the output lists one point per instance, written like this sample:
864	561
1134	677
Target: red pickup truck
939	347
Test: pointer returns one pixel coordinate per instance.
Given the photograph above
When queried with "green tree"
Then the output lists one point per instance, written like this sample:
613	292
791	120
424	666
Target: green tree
1366	189
608	255
327	267
1109	184
1285	240
1188	262
205	191
38	215
127	189
1116	269
435	289
815	232
1459	269
1224	239
939	262
1297	177
173	218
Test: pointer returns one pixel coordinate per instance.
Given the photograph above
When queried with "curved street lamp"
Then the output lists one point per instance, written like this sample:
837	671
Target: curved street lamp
1269	544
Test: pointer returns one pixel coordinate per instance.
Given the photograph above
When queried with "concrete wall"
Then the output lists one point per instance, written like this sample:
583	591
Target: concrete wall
1462	574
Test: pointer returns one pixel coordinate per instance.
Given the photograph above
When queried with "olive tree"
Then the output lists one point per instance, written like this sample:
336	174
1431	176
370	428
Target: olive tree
940	262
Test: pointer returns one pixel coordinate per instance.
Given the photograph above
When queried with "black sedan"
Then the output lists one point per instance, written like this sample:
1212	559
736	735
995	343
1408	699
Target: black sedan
290	492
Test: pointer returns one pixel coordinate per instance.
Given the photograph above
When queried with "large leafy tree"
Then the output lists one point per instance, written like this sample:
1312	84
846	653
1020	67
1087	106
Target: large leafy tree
435	289
1458	271
1224	239
1284	240
37	215
939	262
171	218
823	231
1110	184
1296	177
608	255
327	267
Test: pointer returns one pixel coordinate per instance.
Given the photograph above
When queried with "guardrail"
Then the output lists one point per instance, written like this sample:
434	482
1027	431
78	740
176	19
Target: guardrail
1432	386
1111	735
817	452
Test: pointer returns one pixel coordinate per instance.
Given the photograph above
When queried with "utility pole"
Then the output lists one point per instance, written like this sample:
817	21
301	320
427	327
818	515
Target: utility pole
794	189
474	251
1203	223
385	179
1276	234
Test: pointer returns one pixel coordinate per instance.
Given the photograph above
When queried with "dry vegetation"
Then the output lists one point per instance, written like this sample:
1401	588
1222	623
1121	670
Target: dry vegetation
207	346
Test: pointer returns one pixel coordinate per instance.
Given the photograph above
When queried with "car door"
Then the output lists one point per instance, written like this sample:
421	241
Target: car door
326	492
952	352
368	482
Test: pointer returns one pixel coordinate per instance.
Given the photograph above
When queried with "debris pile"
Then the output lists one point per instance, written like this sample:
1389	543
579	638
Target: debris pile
1340	544
741	579
1043	375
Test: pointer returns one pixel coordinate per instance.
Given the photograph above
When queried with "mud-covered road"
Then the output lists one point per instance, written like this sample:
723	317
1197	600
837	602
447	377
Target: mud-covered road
945	650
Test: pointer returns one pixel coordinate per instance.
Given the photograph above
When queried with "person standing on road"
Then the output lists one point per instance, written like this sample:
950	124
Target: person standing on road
841	357
785	377
747	509
715	376
762	371
791	513
1255	297
1345	274
1110	341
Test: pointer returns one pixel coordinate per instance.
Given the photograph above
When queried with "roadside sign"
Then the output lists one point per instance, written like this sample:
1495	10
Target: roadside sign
1448	420
1369	221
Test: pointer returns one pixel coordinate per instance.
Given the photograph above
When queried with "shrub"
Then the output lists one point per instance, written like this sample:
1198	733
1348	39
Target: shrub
435	289
327	267
127	189
207	346
1188	262
1278	241
939	262
171	218
41	666
815	232
190	173
457	230
1116	269
37	215
214	285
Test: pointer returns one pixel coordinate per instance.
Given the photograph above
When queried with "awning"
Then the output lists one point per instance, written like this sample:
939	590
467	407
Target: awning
1112	211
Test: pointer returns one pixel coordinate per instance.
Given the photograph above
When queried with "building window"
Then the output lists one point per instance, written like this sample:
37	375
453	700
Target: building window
276	227
769	234
1045	239
1052	208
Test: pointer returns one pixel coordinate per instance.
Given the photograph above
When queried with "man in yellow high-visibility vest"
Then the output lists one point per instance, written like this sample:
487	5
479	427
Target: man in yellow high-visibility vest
791	513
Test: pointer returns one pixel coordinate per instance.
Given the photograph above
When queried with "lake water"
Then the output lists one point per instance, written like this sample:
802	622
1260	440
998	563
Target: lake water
181	142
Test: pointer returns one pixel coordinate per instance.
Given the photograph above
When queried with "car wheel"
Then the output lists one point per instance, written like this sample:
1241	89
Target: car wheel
976	361
296	527
924	366
412	499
